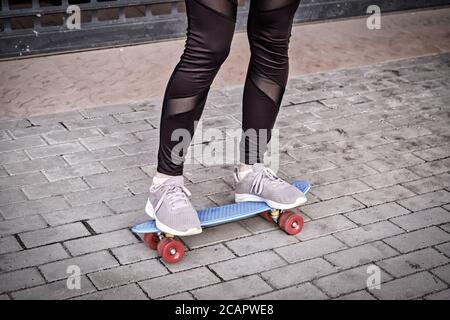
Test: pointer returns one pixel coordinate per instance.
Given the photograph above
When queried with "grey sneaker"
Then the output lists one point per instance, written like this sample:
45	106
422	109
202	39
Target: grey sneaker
262	184
169	205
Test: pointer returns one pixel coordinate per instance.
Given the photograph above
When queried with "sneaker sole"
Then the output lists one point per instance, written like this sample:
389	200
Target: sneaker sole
243	197
166	229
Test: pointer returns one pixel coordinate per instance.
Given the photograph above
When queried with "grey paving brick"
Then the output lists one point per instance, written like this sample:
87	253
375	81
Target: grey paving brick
432	168
96	195
133	203
12	156
406	133
444	248
338	174
422	219
21	143
232	290
307	166
366	253
67	136
427	200
77	214
4	135
379	196
37	130
146	146
32	257
100	242
435	153
92	156
347	281
88	263
35	165
260	242
305	291
410	287
310	249
127	292
138	160
115	178
20	279
140	186
54	150
179	296
441	295
45	190
389	178
13	124
135	116
22	224
81	170
418	239
21	180
126	128
392	162
74	124
443	273
247	265
102	111
54	291
134	253
129	273
96	143
429	184
377	213
201	257
117	221
339	189
215	235
358	295
55	117
33	207
325	226
41	237
413	262
9	244
297	273
258	225
331	207
178	282
11	196
368	233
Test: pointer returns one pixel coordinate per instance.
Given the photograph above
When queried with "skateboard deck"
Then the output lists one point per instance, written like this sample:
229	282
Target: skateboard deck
224	214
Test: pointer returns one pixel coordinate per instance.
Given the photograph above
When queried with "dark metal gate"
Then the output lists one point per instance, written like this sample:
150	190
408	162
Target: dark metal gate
29	27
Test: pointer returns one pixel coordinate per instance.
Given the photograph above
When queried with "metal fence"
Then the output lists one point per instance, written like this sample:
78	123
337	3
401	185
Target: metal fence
30	27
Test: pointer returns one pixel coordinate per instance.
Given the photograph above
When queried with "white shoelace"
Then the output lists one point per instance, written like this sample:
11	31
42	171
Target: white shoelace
176	195
265	174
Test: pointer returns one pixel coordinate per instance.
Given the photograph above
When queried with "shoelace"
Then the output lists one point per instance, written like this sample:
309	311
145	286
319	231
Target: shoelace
175	195
267	174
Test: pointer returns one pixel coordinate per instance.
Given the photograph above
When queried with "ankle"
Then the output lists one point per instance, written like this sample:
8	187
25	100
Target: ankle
243	170
159	178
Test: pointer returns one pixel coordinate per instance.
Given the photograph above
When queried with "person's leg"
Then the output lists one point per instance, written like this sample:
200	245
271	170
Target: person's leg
269	30
210	30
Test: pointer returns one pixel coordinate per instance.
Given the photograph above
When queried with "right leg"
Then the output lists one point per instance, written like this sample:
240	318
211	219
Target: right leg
210	30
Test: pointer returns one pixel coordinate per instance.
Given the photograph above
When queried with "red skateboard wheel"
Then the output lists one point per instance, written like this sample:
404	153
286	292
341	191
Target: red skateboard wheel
267	216
171	250
290	222
152	240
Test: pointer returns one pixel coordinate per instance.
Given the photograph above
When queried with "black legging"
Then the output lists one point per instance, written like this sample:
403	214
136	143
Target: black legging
210	30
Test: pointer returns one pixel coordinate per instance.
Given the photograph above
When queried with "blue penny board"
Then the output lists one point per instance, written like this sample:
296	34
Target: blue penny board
223	214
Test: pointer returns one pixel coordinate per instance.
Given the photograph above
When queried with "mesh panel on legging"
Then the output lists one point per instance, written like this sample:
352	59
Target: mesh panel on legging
210	30
269	30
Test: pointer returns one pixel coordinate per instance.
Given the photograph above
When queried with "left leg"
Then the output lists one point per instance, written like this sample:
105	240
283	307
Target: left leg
269	30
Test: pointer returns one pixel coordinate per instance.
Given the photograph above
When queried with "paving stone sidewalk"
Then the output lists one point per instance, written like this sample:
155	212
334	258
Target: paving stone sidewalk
374	142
